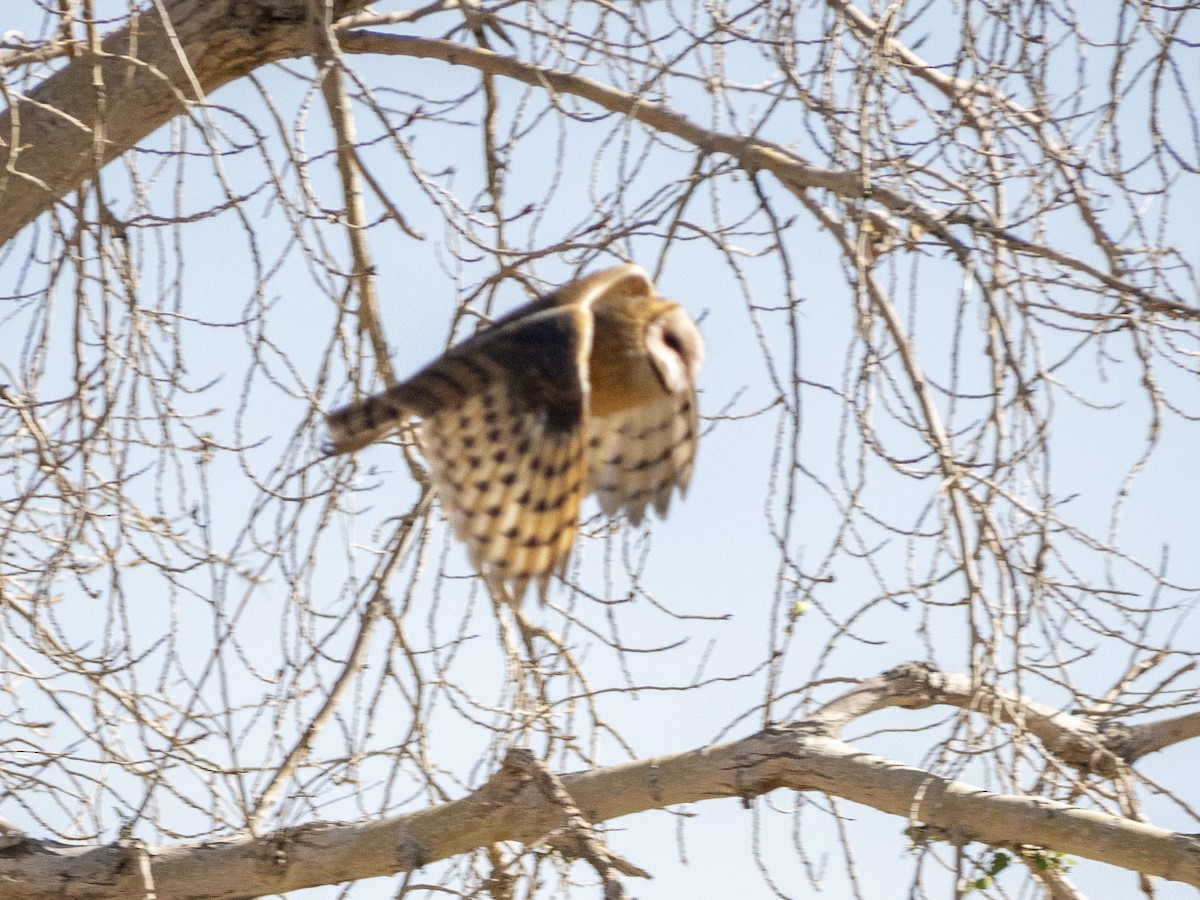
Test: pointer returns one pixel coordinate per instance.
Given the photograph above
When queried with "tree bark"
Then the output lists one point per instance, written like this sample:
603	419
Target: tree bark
511	807
101	104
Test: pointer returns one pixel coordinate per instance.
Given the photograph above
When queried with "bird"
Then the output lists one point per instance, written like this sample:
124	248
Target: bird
588	389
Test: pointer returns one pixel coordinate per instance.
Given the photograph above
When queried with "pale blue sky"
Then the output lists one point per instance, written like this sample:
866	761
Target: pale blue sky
714	557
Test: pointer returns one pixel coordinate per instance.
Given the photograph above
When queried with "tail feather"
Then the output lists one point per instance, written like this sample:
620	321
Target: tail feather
444	384
358	424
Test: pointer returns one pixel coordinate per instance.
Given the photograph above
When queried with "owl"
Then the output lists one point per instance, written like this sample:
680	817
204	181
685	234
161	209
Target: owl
588	390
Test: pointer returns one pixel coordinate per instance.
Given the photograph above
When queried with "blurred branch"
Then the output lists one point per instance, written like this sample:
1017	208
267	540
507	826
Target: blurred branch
362	276
1058	886
1141	740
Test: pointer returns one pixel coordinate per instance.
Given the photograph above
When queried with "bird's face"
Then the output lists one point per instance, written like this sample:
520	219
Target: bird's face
675	348
644	347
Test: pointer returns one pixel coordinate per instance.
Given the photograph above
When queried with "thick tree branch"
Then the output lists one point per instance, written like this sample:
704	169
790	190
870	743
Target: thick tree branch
145	88
1141	740
1077	741
511	807
151	70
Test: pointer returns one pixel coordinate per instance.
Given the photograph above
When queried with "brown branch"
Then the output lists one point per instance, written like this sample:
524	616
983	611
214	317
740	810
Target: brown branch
960	92
49	153
175	61
577	838
1103	750
934	431
509	807
1055	882
953	88
1141	740
1076	741
362	276
401	542
753	153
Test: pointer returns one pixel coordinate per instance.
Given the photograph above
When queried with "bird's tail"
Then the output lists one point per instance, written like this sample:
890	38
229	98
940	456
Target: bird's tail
358	424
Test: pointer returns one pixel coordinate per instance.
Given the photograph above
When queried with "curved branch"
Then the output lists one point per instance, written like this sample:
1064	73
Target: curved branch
48	141
1142	740
1080	742
753	153
511	807
1077	742
149	72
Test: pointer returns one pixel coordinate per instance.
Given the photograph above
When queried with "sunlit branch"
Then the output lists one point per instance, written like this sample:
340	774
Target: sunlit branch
510	807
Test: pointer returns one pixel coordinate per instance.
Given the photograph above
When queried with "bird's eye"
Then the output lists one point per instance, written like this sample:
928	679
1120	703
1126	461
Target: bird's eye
671	339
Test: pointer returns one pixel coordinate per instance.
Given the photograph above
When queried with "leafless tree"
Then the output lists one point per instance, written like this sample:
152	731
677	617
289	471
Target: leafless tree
934	578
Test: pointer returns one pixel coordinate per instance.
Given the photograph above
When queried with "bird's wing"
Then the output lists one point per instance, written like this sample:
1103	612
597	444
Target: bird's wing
507	458
503	429
358	424
460	372
638	456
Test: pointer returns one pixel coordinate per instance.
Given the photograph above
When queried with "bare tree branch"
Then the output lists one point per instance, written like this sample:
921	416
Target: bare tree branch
152	70
949	282
752	152
1076	741
510	808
